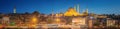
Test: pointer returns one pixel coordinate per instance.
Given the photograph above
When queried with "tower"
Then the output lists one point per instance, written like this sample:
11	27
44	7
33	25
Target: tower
52	12
78	8
14	10
75	7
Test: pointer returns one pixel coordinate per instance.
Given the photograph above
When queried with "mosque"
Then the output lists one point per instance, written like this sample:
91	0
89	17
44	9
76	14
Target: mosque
74	12
74	16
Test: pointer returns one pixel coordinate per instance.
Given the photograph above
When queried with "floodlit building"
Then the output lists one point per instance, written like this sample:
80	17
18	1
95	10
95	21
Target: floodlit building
6	18
71	12
79	21
75	12
111	22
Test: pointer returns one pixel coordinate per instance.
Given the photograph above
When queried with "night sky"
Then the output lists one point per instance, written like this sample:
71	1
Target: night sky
46	6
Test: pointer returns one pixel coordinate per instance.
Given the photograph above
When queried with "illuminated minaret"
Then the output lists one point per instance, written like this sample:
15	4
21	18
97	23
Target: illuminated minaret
86	10
75	7
14	10
78	8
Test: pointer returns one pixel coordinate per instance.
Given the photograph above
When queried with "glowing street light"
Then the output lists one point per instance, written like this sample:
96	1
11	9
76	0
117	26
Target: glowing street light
57	20
34	19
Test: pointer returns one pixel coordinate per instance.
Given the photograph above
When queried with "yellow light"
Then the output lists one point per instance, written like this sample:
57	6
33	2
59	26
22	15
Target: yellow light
34	19
57	20
71	12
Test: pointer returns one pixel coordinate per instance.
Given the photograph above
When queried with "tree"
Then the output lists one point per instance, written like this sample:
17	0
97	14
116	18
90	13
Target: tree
12	23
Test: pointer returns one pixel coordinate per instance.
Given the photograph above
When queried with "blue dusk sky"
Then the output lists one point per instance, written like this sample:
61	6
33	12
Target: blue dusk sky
46	6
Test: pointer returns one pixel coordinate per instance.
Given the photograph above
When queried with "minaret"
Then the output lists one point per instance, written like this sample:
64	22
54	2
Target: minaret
14	10
52	12
86	10
75	8
78	8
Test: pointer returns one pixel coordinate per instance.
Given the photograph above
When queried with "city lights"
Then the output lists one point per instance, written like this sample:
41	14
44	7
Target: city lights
34	19
59	14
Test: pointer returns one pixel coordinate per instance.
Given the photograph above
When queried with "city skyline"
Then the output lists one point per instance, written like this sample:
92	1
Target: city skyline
59	14
46	6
